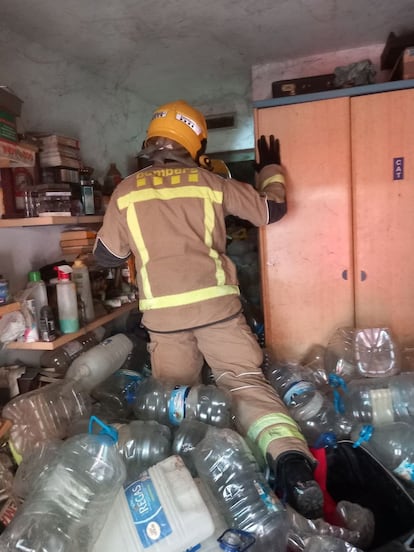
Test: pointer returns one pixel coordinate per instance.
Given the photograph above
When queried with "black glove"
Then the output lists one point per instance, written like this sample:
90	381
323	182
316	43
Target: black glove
269	154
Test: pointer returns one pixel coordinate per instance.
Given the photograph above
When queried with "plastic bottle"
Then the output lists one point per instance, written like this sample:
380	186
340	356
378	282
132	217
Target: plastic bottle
328	544
87	192
67	301
318	420
227	467
116	394
62	357
186	437
380	400
98	363
37	292
47	328
169	404
45	413
391	444
368	352
162	511
289	379
142	445
67	508
80	275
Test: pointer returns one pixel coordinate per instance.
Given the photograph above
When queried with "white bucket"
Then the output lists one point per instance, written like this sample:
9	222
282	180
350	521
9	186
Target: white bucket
162	511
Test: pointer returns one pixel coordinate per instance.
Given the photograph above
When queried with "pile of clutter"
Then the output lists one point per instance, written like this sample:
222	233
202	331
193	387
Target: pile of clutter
110	458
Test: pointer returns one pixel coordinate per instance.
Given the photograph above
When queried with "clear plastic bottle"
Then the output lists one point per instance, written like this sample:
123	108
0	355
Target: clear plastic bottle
227	467
80	275
142	445
380	400
289	379
169	404
391	444
37	292
67	301
116	394
186	437
328	544
95	365
61	358
67	507
44	414
318	420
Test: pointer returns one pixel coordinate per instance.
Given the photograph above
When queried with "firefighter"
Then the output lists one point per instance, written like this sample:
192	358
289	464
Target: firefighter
171	217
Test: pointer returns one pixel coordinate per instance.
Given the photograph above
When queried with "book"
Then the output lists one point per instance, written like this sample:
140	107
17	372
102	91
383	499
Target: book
81	241
77	234
57	160
56	140
63	151
77	249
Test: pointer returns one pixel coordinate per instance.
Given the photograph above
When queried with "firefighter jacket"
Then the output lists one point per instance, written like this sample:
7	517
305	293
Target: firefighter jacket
172	219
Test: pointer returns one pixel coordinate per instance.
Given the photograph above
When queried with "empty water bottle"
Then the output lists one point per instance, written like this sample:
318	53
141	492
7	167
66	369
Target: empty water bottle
169	404
67	507
392	444
44	414
95	365
321	425
288	379
368	352
117	393
227	467
143	444
186	437
380	400
328	544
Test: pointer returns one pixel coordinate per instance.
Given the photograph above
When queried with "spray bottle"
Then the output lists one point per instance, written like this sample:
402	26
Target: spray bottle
66	300
80	275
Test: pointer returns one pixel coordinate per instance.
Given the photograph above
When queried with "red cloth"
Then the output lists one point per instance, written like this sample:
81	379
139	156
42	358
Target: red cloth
320	474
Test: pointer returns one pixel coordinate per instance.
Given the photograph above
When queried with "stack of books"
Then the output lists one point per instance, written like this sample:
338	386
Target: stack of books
77	241
59	151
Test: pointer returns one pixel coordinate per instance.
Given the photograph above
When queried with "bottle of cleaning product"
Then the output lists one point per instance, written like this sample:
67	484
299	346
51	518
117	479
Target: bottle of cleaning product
66	300
80	275
37	292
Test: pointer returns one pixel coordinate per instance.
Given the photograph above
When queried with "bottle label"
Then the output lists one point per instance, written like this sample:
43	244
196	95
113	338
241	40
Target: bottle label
268	500
296	389
382	408
150	520
176	404
405	470
69	325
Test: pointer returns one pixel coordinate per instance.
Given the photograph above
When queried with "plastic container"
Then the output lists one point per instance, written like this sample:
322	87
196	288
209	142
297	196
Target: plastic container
227	467
318	420
80	275
162	511
67	507
142	445
61	358
289	379
44	414
98	363
117	393
186	437
380	400
392	445
169	405
37	292
47	327
368	352
67	301
328	544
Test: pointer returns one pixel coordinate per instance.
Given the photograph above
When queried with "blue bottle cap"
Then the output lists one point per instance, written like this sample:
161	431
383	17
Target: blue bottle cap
326	440
236	540
364	435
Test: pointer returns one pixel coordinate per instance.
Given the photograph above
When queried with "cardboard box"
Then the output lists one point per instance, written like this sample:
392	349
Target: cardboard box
404	68
304	85
10	102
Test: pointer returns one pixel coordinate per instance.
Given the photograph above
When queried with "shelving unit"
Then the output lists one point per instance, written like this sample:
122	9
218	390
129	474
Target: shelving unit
9	307
51	345
49	221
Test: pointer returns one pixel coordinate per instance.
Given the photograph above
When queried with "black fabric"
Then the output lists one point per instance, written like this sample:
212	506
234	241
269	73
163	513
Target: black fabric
276	210
105	258
355	475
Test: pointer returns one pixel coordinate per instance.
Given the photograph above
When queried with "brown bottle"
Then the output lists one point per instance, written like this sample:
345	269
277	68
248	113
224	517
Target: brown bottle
112	179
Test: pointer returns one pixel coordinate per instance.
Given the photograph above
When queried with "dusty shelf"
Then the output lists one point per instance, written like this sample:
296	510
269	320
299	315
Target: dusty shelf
49	221
51	345
9	307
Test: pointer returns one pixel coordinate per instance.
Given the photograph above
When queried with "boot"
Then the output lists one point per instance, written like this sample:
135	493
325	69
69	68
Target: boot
295	485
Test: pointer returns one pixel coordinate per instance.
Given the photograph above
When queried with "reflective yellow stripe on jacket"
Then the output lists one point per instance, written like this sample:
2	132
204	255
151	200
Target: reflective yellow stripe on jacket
147	299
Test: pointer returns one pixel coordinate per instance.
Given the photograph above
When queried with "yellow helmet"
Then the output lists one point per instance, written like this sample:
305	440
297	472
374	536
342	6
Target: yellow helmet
183	124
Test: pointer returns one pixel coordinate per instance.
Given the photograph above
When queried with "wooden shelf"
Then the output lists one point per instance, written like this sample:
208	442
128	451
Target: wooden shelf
49	221
51	345
9	307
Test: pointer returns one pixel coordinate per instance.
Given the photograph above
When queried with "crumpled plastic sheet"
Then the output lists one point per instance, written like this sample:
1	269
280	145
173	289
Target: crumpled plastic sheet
12	327
355	74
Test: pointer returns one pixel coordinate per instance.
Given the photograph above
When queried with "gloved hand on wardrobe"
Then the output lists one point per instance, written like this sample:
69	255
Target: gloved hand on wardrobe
268	152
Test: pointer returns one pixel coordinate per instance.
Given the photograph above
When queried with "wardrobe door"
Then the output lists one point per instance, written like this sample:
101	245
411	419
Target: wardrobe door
306	258
383	190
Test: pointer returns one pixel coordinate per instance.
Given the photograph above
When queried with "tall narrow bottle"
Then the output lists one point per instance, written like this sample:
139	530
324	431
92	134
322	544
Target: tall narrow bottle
80	275
67	301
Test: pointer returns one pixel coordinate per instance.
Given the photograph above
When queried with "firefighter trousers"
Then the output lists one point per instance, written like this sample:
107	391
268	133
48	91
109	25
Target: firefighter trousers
235	357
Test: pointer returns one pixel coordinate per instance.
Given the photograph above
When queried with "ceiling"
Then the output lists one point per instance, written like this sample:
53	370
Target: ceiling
200	50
